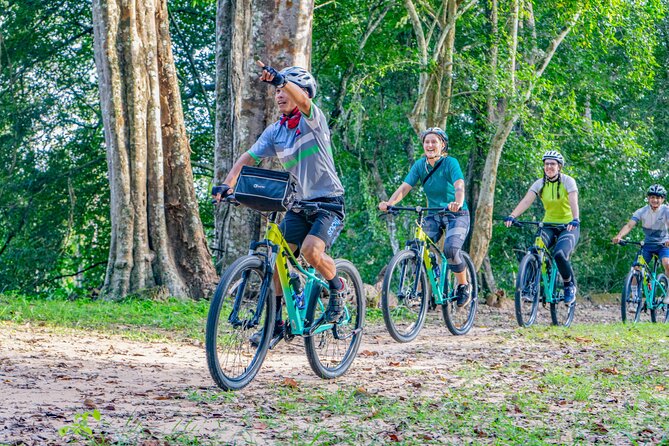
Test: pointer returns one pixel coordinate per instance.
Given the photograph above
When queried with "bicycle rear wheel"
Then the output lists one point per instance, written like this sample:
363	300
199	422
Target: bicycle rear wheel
561	314
404	300
631	300
460	320
527	290
659	311
243	304
331	352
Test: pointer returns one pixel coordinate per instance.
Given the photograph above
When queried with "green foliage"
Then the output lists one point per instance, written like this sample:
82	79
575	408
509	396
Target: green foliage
602	101
80	429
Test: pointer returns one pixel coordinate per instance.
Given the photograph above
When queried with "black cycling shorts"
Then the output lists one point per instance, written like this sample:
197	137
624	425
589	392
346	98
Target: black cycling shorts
324	224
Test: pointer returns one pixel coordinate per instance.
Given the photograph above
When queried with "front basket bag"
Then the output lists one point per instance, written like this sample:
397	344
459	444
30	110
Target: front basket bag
266	190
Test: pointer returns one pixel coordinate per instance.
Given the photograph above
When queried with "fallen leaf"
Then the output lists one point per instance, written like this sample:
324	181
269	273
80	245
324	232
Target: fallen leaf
361	391
583	340
290	382
600	428
394	364
659	388
478	431
610	371
394	437
89	403
368	353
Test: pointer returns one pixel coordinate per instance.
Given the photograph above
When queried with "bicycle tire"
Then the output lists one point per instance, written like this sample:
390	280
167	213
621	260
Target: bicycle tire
659	311
527	290
402	323
561	314
323	349
232	359
630	302
460	320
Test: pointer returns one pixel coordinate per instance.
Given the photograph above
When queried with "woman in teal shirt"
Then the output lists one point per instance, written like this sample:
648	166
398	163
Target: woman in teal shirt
444	188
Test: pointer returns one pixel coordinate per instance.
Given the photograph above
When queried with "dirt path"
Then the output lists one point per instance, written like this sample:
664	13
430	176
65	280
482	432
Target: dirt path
48	375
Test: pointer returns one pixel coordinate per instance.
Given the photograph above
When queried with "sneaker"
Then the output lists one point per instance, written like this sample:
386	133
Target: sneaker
256	337
570	294
335	309
464	295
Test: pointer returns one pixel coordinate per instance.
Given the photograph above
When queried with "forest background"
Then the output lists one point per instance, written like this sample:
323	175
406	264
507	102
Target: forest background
507	79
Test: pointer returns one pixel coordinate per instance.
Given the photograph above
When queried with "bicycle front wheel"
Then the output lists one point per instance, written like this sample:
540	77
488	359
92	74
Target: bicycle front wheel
243	304
331	352
659	311
527	290
561	314
631	300
403	297
460	320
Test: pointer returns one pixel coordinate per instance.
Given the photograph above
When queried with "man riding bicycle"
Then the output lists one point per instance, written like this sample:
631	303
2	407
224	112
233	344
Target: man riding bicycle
654	218
300	139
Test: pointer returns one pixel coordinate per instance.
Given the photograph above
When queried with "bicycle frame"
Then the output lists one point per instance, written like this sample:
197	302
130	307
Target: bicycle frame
548	277
648	279
419	243
279	255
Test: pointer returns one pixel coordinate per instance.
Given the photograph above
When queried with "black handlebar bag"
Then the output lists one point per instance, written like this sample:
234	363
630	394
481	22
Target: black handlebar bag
266	190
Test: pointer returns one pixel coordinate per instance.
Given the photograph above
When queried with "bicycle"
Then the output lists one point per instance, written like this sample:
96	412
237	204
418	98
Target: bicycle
244	302
406	295
644	288
538	279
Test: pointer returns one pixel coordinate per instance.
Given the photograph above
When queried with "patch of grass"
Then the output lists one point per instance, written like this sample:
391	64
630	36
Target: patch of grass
143	319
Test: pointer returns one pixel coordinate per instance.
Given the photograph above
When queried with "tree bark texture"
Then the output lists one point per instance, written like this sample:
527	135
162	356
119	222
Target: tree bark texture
436	45
157	237
278	32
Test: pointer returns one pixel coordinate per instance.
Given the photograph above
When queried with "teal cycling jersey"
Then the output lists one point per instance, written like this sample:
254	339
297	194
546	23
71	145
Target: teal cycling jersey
439	189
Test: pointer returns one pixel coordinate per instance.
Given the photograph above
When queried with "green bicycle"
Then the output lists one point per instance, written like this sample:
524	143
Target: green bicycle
539	280
644	289
244	303
412	280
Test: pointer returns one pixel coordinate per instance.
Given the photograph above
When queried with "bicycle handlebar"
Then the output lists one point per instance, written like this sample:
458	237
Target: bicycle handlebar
629	242
297	205
420	210
540	224
316	205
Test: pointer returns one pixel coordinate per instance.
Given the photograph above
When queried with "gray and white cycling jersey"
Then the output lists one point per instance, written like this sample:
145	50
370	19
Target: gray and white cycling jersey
654	224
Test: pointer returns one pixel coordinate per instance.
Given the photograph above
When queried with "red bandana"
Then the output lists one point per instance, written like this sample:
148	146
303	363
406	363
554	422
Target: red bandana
292	119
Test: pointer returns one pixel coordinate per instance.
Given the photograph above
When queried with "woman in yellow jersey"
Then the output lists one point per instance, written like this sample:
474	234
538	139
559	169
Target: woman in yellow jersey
559	195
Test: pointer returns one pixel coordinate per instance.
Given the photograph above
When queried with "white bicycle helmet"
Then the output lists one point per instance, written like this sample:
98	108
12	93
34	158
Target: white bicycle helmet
300	77
553	155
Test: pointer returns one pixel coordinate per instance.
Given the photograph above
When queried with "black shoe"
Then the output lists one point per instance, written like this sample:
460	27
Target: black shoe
335	309
464	295
256	337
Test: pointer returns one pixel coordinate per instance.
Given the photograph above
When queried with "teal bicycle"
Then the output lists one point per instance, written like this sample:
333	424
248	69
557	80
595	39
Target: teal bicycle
244	303
645	289
415	278
538	280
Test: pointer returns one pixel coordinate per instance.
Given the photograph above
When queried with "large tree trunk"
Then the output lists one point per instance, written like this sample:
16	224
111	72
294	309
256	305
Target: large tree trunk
279	34
157	237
